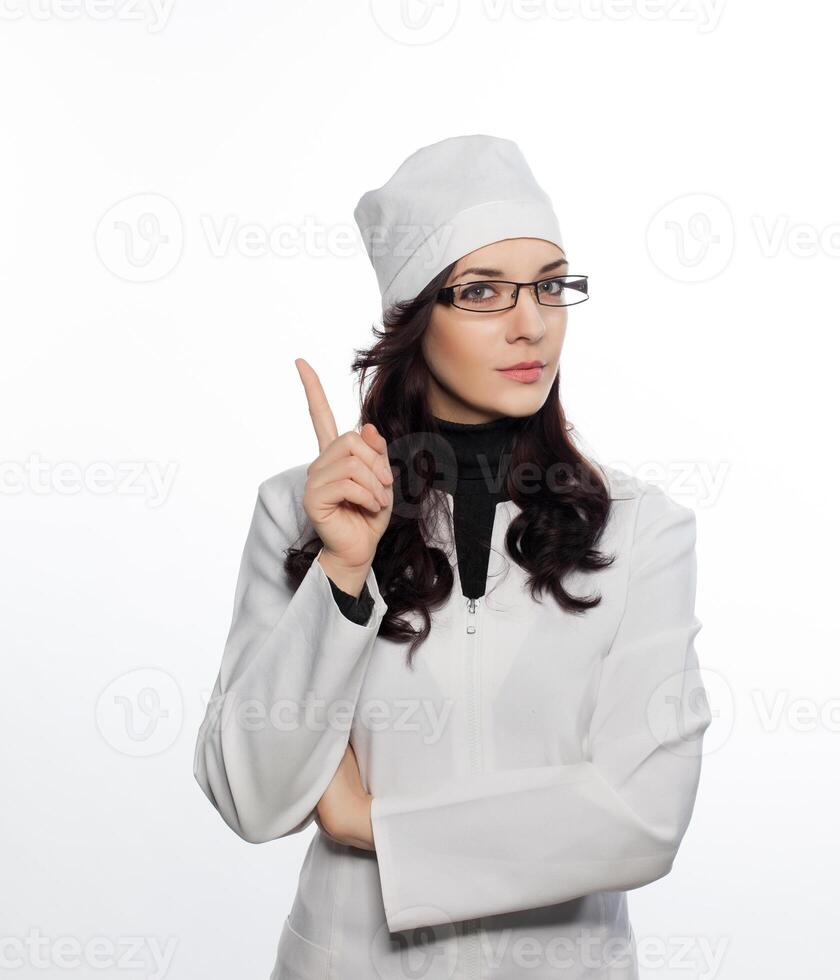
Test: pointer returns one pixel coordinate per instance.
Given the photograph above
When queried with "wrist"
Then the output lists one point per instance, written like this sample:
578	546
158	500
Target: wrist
350	579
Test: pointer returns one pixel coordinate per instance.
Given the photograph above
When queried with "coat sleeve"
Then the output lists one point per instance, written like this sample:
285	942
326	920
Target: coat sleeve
278	720
521	838
358	608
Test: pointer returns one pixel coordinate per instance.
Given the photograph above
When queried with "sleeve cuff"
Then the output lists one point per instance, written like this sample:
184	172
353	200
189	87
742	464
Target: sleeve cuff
356	608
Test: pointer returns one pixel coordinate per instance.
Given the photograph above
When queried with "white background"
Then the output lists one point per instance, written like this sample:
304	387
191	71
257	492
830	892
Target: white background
690	151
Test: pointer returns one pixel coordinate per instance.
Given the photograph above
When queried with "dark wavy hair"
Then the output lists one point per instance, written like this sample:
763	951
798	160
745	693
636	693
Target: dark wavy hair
556	530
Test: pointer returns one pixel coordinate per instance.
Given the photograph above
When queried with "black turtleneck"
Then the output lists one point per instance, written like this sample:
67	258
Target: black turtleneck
478	449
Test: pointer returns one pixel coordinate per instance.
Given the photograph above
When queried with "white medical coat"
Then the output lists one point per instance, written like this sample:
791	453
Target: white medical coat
531	768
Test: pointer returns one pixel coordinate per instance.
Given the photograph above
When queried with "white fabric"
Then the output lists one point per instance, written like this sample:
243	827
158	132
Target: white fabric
524	775
443	202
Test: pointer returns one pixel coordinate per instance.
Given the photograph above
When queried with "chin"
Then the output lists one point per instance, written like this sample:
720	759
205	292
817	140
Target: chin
523	403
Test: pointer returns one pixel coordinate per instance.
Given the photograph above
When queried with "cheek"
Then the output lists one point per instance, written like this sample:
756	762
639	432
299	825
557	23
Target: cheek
453	352
558	335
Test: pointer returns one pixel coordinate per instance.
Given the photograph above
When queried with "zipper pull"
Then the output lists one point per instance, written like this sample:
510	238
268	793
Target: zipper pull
471	604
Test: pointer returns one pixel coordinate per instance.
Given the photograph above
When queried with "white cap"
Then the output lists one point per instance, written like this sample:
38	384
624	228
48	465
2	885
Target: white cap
445	201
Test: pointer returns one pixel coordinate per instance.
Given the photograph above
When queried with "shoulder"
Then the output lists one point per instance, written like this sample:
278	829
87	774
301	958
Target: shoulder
281	497
637	506
286	484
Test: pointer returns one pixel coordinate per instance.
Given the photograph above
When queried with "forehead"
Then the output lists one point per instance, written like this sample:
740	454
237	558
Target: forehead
516	258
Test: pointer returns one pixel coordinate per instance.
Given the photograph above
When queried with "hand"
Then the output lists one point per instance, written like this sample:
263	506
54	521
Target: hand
343	812
349	492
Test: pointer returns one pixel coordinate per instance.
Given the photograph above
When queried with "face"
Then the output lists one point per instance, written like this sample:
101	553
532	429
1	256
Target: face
467	351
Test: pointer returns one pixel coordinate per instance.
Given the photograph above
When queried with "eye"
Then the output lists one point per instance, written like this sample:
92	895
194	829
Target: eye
553	287
478	292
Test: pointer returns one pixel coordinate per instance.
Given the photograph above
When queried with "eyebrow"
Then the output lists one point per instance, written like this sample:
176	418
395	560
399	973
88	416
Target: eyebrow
498	273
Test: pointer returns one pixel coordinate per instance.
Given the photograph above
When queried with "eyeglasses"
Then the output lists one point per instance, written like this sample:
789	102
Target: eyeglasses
492	296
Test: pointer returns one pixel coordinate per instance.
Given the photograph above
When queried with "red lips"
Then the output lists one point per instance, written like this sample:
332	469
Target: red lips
523	365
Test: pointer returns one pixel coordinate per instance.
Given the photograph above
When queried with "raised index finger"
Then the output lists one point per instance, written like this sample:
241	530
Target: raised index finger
323	419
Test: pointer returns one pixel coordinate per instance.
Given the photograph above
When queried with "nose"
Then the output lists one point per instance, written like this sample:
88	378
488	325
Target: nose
527	317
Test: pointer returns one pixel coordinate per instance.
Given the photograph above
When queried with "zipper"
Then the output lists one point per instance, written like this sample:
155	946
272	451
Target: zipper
472	605
472	927
474	685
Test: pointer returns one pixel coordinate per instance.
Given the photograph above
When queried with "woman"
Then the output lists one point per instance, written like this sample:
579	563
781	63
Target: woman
457	645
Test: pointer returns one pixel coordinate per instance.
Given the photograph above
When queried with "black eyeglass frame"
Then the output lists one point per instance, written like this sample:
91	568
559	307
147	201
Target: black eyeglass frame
447	293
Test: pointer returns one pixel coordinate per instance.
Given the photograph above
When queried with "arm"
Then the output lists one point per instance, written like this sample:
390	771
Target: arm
261	757
529	837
